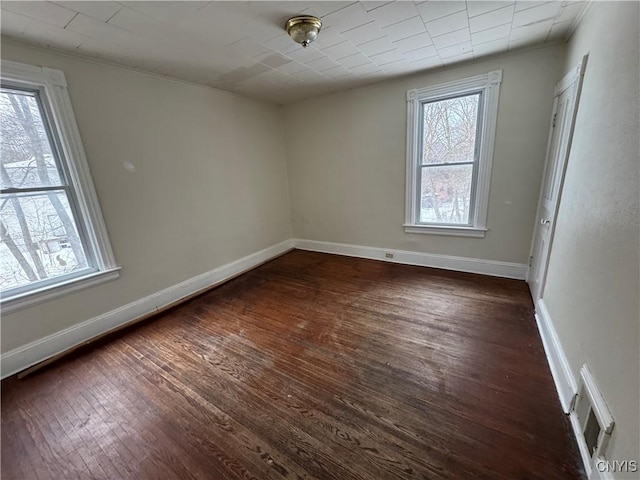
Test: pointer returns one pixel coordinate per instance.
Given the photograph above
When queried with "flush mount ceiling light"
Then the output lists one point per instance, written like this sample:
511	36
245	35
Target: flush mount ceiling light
303	29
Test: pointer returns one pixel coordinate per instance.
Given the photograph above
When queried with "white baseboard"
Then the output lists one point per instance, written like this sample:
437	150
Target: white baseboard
446	262
35	352
562	375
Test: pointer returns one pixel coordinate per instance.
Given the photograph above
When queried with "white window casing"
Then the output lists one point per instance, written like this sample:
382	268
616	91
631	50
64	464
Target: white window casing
54	96
489	86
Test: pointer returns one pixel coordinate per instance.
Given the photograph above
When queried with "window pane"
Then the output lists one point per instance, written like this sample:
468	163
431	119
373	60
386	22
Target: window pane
39	239
449	130
25	150
445	194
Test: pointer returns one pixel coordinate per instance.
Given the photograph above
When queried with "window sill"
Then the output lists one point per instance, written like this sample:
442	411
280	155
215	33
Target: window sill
50	292
446	230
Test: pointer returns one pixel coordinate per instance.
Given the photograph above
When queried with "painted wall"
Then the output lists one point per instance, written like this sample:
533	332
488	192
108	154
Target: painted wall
210	184
346	159
592	285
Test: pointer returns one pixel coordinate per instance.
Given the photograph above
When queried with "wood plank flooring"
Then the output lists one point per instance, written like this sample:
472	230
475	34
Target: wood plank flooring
310	366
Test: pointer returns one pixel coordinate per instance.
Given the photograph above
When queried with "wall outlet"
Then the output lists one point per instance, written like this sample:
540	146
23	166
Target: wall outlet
388	255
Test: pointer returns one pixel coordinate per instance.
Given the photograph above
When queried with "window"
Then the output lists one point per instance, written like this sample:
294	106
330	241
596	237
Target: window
450	133
52	236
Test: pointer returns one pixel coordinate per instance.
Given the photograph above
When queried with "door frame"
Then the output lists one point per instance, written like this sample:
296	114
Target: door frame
573	79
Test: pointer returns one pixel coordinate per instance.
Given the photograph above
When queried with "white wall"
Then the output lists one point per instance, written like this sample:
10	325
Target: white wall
346	159
210	184
592	285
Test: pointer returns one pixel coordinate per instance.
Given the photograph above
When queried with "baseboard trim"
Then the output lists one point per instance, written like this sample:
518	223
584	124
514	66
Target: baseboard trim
26	356
566	385
446	262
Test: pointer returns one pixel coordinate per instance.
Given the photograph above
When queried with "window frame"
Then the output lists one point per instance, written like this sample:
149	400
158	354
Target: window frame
488	85
65	140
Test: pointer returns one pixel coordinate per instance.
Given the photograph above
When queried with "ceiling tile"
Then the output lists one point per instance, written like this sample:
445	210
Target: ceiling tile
425	63
394	12
491	19
526	4
420	53
515	43
46	12
364	33
448	24
458	58
537	30
282	43
337	72
305	55
401	66
292	67
365	69
99	30
13	23
475	8
411	43
323	63
328	37
536	14
257	29
138	24
376	46
407	28
168	12
309	75
455	50
488	48
340	50
249	48
102	10
491	34
452	38
354	60
372	5
349	17
231	45
434	9
569	12
323	8
243	74
275	60
274	11
560	31
53	36
386	57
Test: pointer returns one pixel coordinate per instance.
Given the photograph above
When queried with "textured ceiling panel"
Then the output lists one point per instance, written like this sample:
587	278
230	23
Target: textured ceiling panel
242	46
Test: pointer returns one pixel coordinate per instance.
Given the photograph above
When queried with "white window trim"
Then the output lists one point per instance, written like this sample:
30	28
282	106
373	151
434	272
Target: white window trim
489	84
57	98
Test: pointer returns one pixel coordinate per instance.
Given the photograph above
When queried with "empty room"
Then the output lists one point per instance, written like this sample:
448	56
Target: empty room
320	240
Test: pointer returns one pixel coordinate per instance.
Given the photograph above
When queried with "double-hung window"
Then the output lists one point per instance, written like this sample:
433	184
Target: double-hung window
450	134
53	239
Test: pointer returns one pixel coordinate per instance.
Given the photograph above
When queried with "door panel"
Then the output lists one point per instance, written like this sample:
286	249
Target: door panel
564	111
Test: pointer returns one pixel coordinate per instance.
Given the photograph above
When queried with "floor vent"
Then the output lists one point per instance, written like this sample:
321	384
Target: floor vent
591	420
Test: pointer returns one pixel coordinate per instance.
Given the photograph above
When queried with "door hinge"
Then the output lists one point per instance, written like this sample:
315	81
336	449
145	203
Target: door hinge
553	122
572	405
531	260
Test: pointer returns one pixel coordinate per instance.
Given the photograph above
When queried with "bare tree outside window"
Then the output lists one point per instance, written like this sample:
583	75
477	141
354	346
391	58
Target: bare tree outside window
449	132
39	237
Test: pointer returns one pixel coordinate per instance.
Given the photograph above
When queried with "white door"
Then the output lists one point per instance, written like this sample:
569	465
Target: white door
565	103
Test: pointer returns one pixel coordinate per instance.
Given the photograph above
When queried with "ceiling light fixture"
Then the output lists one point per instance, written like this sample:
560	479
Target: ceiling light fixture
303	29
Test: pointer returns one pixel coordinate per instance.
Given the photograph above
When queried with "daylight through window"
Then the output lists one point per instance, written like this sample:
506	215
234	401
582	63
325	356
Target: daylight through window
40	238
448	159
52	236
450	137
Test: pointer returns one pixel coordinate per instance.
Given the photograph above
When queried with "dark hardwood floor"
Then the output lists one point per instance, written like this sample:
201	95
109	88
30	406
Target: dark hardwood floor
311	366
